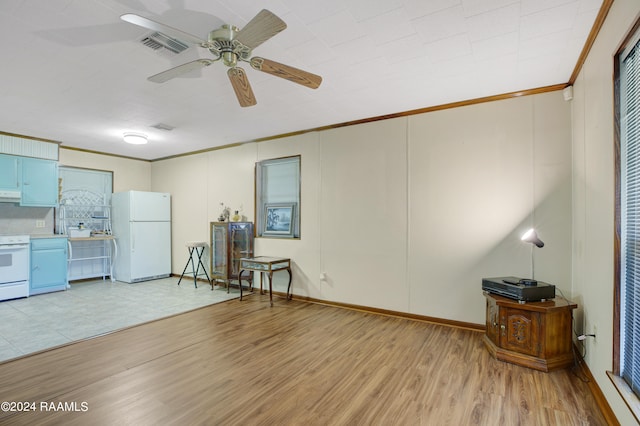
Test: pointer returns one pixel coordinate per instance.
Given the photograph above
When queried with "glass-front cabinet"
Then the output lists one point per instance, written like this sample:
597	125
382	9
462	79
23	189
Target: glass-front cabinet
230	241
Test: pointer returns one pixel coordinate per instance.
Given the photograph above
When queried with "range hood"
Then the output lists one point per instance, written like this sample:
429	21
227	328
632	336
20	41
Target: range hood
8	196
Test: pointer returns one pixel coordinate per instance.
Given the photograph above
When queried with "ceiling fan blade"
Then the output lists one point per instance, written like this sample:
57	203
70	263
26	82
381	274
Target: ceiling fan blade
241	86
149	24
179	70
287	72
261	28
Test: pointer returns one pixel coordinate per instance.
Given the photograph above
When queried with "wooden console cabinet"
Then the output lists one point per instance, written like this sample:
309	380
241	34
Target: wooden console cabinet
533	334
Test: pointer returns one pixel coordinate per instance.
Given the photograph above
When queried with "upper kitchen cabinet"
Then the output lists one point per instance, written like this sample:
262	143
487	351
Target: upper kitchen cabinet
29	170
39	182
10	173
34	179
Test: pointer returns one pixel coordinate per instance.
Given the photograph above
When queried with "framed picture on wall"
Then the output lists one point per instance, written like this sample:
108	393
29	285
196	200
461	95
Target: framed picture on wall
278	219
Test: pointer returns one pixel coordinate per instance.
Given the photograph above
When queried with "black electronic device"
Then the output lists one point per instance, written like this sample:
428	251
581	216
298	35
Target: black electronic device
521	289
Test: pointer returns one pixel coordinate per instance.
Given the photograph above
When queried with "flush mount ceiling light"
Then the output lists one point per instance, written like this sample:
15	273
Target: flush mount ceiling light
135	138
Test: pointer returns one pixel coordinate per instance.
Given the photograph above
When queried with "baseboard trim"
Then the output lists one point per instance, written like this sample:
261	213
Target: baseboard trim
189	277
601	400
406	315
362	308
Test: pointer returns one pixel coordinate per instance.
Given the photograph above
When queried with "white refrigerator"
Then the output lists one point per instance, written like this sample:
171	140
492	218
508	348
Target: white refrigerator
141	224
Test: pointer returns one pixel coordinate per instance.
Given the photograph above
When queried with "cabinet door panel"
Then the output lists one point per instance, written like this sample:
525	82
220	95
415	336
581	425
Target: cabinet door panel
48	268
521	331
39	183
241	239
9	172
219	251
493	321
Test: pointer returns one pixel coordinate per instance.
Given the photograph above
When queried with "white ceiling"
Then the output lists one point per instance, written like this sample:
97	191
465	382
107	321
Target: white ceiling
72	71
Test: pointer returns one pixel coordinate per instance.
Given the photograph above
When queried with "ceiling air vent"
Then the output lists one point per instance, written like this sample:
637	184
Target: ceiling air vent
158	41
162	126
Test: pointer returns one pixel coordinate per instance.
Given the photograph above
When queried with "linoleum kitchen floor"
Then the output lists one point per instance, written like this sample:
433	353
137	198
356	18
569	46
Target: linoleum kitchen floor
91	308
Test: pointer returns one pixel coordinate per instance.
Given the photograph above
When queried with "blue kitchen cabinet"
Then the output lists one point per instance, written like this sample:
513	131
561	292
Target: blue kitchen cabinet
39	182
10	172
48	265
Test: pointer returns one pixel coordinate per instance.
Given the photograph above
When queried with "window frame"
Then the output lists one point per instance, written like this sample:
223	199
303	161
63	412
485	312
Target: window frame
631	398
261	202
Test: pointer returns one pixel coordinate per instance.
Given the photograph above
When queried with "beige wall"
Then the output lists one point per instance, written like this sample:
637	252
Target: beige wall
198	184
593	197
479	177
405	214
128	174
363	214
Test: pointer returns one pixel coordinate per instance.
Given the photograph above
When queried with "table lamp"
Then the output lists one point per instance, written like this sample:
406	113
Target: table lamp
531	236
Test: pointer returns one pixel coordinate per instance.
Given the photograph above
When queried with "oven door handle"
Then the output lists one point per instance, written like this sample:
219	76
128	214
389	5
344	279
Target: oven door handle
14	246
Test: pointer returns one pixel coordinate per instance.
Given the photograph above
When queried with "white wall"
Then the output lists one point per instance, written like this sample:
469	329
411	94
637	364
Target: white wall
593	196
406	214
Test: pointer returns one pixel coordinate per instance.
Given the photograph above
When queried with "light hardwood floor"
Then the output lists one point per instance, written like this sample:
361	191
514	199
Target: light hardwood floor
297	363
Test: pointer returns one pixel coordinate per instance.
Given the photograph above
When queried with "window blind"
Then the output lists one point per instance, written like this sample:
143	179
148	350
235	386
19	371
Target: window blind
630	217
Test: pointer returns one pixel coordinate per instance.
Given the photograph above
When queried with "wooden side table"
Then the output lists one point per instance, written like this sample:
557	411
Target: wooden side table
533	334
265	265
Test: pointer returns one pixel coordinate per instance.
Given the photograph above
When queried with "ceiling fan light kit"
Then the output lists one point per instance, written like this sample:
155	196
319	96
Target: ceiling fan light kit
232	45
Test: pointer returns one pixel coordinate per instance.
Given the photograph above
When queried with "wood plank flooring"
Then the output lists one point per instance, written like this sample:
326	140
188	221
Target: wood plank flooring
244	363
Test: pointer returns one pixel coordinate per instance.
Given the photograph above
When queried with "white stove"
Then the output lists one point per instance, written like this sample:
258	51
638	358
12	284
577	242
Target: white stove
14	266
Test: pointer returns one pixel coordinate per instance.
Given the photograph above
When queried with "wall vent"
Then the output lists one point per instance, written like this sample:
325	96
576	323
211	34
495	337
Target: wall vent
158	41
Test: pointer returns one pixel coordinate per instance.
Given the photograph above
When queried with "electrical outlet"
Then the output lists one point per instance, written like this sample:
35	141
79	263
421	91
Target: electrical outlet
39	223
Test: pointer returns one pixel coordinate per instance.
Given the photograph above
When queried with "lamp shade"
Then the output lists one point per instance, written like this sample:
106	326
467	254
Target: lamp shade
135	138
532	237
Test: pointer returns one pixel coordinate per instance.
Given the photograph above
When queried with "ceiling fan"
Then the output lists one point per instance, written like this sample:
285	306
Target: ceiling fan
232	45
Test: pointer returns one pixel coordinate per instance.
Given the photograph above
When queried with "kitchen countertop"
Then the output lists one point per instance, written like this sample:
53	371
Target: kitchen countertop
91	238
36	236
41	236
